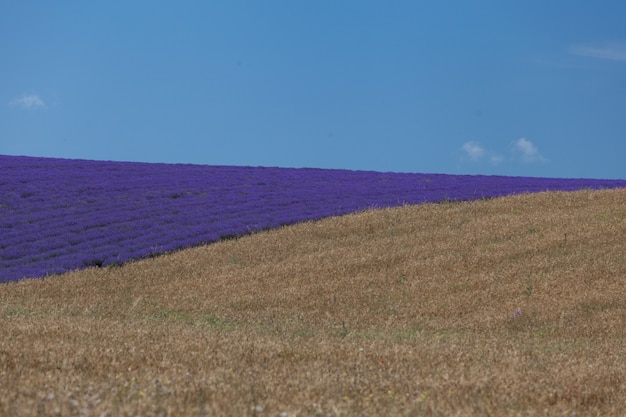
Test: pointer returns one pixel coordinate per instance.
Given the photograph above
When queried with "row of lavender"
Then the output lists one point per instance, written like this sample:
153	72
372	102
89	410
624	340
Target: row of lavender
58	215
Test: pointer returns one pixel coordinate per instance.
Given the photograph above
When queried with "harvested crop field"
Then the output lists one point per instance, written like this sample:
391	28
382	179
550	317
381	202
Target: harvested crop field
59	215
513	306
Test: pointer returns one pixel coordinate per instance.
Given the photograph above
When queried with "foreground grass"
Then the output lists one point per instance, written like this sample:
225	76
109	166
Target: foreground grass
514	306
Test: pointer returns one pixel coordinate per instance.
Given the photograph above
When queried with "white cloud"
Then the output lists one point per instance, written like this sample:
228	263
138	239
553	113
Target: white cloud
521	150
495	159
476	152
528	151
29	102
614	51
473	150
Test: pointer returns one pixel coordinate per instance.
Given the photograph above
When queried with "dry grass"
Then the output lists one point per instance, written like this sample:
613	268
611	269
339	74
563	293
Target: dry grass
407	311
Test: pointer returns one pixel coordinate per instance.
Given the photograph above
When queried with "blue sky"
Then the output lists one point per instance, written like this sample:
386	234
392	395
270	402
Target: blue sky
534	88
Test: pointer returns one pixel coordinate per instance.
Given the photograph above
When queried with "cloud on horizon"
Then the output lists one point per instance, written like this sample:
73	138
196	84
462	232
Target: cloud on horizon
613	51
528	151
473	150
476	152
29	102
521	149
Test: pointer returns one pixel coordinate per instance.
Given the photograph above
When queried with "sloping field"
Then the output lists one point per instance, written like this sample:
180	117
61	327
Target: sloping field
59	215
513	306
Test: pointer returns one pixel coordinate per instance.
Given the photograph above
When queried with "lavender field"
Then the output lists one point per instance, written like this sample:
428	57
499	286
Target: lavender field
58	215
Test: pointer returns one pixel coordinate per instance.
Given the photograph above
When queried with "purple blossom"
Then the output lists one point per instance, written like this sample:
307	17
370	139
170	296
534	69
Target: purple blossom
58	215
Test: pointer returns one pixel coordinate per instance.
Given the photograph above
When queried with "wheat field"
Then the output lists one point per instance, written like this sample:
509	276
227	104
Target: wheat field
514	306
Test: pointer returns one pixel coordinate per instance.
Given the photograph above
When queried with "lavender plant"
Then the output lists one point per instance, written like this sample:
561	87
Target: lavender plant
58	215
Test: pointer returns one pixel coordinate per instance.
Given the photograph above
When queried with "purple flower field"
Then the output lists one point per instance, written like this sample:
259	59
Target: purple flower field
58	215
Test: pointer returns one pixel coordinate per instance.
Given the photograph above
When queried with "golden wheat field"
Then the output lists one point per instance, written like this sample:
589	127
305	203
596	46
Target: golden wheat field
508	307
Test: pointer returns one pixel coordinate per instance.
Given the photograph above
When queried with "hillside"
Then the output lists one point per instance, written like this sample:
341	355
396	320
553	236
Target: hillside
513	306
59	215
